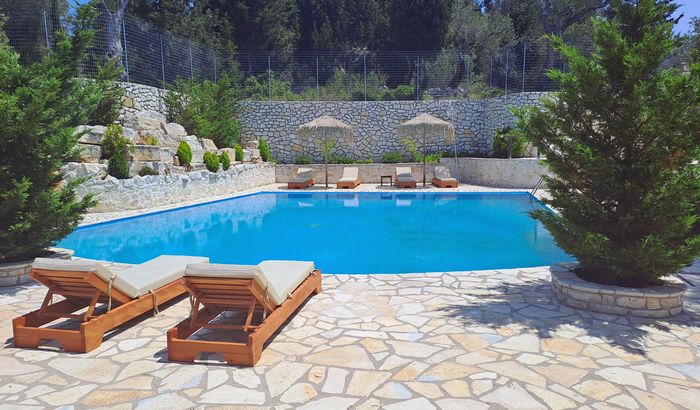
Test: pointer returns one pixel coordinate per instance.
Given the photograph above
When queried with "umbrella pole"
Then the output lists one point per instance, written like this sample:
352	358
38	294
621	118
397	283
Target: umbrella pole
325	153
423	157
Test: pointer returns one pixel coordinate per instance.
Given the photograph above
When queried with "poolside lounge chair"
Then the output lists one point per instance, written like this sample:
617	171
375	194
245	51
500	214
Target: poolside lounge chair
302	180
350	178
404	178
85	283
265	296
443	179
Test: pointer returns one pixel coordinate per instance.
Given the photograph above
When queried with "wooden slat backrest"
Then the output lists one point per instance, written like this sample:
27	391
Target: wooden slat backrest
76	284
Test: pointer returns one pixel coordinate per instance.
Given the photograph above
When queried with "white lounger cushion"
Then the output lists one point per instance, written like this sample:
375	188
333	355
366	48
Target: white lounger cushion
403	174
350	174
134	281
280	278
443	173
303	175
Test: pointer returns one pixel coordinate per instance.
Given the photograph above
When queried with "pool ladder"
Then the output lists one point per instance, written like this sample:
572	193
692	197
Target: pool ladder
536	188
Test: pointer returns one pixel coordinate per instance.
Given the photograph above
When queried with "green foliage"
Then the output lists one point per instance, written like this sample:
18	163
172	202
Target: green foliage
340	159
391	158
150	140
500	143
184	154
40	106
118	167
239	152
208	109
114	142
225	161
621	139
115	147
401	92
303	159
364	161
264	149
264	88
412	148
211	161
146	170
110	92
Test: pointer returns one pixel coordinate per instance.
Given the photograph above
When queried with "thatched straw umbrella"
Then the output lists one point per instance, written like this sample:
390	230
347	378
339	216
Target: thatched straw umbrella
426	125
326	128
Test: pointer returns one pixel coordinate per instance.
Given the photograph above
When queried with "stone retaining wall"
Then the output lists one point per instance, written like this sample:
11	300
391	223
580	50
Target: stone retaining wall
503	173
17	273
656	301
375	123
497	172
150	191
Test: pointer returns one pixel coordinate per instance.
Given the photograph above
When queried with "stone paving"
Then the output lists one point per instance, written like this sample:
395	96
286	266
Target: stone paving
473	340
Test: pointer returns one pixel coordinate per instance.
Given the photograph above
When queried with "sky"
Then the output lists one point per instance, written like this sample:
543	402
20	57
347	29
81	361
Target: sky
689	8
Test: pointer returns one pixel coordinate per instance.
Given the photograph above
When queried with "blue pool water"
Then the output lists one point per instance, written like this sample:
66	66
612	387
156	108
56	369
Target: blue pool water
340	232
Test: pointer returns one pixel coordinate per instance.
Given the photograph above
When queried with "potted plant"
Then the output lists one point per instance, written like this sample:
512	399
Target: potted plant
621	140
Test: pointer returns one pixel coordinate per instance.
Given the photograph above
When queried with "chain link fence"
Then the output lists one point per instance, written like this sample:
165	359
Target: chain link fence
154	57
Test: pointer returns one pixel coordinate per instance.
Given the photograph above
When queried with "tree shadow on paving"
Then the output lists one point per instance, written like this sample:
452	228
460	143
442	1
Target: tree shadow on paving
531	305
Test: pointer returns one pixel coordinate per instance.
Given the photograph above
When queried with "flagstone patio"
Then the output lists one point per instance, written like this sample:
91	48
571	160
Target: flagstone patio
421	341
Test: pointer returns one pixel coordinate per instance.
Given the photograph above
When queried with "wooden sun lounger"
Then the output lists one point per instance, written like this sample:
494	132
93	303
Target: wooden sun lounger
83	287
443	179
302	180
350	178
262	315
404	178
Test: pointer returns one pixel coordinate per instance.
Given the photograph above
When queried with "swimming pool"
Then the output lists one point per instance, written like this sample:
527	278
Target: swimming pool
340	232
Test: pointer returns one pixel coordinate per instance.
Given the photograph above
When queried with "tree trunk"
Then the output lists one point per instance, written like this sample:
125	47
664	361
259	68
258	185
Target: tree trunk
112	23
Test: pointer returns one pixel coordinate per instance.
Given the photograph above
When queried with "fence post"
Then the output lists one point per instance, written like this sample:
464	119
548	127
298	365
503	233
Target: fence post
46	33
490	71
317	89
364	66
507	61
126	51
162	59
466	64
191	65
215	79
269	78
524	62
417	77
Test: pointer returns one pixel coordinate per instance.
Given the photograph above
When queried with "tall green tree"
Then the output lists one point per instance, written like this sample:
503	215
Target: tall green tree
40	105
418	24
621	138
27	28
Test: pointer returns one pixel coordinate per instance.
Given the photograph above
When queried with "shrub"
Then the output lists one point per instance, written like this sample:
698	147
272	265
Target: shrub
412	148
401	92
225	161
116	147
184	153
391	157
500	144
150	140
118	167
114	142
339	159
207	109
211	161
303	159
264	150
146	170
364	161
109	92
239	152
42	103
621	140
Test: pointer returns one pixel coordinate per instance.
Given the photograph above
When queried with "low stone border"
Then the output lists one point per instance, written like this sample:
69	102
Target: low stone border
17	273
655	301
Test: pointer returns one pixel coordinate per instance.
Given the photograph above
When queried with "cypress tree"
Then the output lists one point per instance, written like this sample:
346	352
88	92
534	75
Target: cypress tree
622	140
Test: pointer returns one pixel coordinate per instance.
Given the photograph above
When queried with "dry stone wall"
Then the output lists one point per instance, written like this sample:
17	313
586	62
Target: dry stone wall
375	123
151	191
